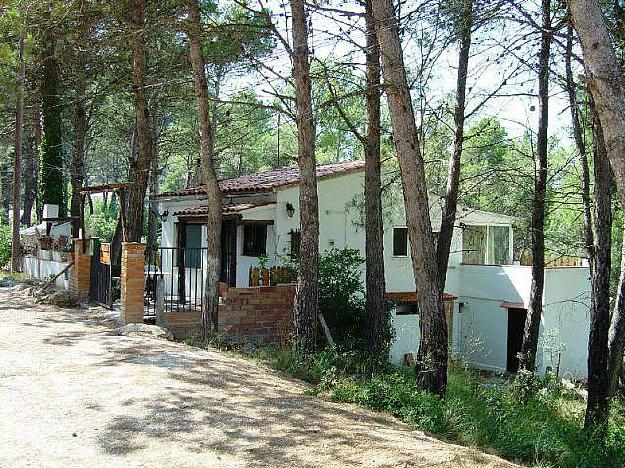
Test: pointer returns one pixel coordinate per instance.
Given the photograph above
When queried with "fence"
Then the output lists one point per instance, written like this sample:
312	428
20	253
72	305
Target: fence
182	272
44	268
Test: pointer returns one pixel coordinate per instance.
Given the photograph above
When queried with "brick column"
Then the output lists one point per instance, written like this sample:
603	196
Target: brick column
80	273
132	281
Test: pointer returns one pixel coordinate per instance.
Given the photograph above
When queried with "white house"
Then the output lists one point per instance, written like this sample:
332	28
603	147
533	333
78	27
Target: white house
491	294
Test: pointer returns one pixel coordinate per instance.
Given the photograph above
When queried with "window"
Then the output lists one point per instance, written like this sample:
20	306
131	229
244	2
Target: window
296	239
499	245
193	244
488	245
254	239
400	242
407	309
474	245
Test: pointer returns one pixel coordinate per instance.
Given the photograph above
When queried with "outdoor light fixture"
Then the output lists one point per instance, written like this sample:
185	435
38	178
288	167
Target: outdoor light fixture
290	210
164	216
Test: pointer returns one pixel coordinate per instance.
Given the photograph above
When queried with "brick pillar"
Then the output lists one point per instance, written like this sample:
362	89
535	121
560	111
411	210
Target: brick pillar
80	273
132	281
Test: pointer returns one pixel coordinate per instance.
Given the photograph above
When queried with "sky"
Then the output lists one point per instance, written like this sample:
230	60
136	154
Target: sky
496	51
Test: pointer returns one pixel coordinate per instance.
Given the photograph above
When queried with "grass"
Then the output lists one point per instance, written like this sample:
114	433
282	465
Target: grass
541	425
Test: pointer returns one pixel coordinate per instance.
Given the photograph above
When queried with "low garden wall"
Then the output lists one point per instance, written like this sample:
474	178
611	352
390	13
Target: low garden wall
43	269
259	314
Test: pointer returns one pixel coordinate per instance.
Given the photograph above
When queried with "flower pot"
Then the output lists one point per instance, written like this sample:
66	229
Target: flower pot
46	254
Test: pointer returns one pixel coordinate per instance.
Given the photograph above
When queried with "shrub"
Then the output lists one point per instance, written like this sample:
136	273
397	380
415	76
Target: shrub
5	246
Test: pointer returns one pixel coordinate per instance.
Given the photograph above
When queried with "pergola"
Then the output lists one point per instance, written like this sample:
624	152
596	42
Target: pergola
118	188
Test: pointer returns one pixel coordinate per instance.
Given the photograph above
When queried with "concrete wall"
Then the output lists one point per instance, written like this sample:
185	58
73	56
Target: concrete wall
483	323
45	269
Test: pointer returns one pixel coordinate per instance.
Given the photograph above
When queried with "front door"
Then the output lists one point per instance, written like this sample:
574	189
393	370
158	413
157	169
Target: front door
516	324
229	253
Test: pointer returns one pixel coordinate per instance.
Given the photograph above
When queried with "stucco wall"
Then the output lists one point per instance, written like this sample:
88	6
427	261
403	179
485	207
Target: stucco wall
45	269
483	323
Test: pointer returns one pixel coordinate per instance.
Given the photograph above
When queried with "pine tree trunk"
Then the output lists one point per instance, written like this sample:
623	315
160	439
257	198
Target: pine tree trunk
29	175
532	323
448	220
17	160
52	180
80	134
598	403
153	191
37	156
377	322
571	89
605	82
306	299
139	168
210	305
432	358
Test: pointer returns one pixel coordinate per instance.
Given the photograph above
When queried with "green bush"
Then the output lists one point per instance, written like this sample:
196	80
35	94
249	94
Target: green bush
529	422
341	298
5	246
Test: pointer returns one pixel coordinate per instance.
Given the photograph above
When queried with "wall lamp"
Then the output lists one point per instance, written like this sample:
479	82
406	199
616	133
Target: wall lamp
164	216
290	210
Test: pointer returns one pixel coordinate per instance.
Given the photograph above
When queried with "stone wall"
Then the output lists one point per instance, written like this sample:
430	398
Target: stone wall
260	314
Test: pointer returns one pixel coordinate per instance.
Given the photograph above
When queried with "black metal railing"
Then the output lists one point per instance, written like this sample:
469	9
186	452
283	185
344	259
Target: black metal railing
181	271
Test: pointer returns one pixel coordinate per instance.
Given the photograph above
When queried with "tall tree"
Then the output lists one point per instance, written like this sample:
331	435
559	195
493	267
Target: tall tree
140	167
17	157
52	179
463	22
306	300
80	134
605	83
432	356
598	244
532	323
374	229
210	304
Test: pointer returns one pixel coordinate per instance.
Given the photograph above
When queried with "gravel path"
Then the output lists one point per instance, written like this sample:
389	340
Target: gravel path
74	394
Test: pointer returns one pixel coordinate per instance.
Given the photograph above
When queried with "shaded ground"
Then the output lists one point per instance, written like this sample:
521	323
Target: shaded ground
74	394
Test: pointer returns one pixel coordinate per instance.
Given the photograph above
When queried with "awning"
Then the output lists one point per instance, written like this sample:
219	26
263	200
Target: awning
410	297
202	210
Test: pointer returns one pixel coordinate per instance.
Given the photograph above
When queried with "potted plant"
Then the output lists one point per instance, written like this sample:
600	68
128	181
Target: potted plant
265	274
45	247
59	246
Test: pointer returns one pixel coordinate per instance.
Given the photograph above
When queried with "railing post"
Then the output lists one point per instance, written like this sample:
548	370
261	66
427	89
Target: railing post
159	308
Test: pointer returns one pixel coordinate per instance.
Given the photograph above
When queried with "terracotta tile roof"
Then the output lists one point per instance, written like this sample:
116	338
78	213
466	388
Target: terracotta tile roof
202	210
270	180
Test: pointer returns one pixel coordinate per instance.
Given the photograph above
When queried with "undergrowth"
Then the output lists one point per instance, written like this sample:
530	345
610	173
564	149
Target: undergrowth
540	425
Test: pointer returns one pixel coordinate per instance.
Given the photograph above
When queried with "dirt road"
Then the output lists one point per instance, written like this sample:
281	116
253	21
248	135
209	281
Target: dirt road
72	393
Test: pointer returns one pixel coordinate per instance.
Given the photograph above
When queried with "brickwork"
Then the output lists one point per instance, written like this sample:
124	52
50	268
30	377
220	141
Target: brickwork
132	281
80	273
259	314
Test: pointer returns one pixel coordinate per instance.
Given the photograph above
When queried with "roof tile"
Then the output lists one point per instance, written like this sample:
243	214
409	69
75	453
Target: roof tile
270	180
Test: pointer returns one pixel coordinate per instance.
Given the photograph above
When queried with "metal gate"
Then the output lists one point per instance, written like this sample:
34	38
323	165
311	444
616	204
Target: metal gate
100	287
182	271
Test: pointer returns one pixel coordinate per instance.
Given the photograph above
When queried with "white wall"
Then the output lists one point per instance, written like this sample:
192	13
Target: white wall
566	323
45	269
483	323
406	337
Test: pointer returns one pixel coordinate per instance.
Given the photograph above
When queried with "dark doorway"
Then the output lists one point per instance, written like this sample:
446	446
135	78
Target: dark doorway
516	324
229	253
